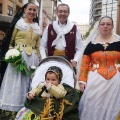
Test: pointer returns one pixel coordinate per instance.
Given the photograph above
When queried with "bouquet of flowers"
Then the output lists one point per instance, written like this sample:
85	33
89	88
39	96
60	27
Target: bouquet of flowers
14	57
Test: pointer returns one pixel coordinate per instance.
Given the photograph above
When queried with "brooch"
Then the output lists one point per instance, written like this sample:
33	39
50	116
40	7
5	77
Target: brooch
105	45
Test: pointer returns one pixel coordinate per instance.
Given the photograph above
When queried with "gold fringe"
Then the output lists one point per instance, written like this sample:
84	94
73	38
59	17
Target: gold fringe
50	118
67	102
48	108
61	109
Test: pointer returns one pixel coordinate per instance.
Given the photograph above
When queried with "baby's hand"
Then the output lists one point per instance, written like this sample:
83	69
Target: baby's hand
31	96
48	84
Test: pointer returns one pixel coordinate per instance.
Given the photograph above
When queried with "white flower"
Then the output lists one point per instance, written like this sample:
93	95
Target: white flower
33	67
96	66
12	53
117	66
7	56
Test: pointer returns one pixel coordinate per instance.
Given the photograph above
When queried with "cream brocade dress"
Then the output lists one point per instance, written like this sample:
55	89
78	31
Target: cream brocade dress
16	85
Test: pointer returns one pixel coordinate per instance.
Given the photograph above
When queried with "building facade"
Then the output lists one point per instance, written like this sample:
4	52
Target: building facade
95	11
9	7
47	16
83	29
6	13
101	8
109	8
6	6
118	18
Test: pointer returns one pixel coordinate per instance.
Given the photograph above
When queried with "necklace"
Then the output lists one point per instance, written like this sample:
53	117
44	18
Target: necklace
105	45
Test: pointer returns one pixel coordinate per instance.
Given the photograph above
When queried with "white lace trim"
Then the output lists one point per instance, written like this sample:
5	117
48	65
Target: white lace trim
21	25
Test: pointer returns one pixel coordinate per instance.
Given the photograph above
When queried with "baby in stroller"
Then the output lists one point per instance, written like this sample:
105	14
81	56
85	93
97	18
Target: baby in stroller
51	87
51	100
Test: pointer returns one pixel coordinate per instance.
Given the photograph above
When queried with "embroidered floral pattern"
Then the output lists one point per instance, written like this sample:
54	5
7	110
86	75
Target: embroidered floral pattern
106	63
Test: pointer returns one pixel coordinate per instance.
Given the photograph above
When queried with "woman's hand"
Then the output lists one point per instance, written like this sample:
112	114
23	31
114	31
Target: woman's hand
73	63
82	87
48	85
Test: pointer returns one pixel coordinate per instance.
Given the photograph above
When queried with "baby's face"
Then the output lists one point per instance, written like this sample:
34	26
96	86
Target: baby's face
52	78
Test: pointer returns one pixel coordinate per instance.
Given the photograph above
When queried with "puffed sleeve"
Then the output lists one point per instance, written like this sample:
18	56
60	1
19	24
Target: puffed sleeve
57	91
38	89
84	68
38	45
12	41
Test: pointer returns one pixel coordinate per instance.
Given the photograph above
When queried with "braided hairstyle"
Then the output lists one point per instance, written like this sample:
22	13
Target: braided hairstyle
6	40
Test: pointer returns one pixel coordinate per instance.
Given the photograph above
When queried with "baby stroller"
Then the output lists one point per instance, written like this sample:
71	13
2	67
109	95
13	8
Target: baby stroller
71	100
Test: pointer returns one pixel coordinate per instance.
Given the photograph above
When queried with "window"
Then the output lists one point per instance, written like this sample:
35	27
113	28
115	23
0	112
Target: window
0	8
10	11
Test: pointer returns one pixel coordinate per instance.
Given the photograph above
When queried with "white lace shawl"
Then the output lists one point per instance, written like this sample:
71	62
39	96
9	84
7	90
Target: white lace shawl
22	25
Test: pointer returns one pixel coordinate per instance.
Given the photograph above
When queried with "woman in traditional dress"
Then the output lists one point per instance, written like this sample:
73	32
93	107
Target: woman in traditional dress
99	77
23	34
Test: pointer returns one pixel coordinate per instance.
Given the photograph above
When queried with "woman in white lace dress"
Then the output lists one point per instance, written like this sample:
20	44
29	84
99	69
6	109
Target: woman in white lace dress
24	34
99	77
